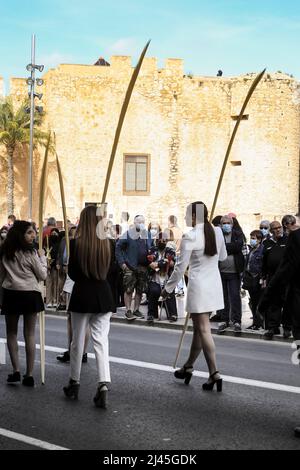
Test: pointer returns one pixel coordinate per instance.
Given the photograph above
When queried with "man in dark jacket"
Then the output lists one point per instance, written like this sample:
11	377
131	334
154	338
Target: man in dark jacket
231	270
274	249
287	277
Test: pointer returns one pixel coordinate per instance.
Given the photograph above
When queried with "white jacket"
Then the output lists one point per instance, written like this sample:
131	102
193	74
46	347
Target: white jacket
205	292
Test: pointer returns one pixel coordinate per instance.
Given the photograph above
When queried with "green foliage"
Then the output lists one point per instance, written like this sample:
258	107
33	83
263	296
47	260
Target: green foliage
15	134
15	125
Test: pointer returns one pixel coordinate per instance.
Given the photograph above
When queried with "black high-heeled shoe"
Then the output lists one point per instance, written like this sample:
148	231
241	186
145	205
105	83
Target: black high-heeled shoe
185	373
208	386
71	390
100	399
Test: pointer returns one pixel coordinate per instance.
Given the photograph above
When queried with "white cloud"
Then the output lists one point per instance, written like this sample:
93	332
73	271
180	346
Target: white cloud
123	46
55	58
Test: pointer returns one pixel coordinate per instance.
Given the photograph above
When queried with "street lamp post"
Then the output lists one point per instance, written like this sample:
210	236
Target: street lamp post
31	82
31	127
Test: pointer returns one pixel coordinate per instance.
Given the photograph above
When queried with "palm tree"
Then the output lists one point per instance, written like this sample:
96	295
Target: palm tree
15	134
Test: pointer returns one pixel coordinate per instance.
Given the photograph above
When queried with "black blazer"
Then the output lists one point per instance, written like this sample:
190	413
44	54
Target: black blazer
88	295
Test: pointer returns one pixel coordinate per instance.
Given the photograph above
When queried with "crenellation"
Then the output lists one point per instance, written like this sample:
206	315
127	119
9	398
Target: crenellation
184	124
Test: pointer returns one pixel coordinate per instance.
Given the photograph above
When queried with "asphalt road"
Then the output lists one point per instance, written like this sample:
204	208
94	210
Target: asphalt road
148	408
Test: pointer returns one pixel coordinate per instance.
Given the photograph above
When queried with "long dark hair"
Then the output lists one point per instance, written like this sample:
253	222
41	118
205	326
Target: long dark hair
94	254
236	226
209	232
15	240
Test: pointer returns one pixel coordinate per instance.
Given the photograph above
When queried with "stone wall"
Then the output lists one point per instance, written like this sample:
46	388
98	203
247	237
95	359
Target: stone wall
184	123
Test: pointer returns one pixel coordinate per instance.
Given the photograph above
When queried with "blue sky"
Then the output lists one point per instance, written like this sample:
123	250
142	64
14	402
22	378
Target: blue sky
237	36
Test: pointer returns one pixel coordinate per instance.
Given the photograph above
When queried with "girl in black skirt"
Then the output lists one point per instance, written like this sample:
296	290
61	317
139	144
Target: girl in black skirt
22	267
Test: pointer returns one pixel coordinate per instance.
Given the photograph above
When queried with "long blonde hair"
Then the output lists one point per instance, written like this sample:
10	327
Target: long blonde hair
93	253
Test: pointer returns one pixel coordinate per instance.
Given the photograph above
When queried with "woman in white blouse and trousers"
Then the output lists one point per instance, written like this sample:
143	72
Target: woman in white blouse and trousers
201	249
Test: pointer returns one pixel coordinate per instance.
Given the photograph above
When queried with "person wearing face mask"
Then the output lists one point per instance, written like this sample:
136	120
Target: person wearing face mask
264	227
162	261
131	252
274	249
154	229
231	270
252	276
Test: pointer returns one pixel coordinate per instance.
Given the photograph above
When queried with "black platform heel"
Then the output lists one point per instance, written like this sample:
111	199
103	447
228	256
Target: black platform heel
210	385
100	399
71	391
185	373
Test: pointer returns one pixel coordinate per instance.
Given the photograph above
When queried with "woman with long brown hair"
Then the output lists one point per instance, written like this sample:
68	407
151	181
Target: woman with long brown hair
22	267
91	301
201	249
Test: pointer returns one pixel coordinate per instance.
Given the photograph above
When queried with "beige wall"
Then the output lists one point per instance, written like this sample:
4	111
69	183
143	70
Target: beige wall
185	124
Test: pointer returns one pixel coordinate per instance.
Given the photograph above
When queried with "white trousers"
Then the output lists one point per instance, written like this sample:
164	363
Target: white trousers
99	325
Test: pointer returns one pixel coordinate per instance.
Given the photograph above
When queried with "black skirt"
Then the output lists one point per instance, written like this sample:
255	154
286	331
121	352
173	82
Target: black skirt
17	302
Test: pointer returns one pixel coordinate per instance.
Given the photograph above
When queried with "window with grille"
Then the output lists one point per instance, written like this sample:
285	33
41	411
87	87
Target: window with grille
136	175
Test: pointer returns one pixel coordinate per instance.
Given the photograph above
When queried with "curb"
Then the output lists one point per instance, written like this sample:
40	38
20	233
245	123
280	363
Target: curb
178	326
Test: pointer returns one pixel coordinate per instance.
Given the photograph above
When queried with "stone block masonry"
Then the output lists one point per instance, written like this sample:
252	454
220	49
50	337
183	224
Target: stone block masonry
183	124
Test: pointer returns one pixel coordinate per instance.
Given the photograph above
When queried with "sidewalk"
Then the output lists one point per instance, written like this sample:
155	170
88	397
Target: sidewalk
119	317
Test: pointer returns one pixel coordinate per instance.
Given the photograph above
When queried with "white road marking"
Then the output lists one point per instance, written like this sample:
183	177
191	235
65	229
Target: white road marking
29	440
178	331
163	368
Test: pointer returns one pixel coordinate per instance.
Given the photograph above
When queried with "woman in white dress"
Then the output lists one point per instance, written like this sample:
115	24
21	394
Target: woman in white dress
201	249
